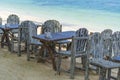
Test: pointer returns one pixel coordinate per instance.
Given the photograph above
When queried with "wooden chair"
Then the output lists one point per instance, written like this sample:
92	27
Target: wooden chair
27	29
106	42
78	49
104	50
1	25
95	39
116	49
13	19
116	43
1	32
53	26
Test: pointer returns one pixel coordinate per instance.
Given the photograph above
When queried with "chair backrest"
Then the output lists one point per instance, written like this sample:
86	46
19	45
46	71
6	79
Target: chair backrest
51	26
1	24
116	43
27	29
106	42
95	45
80	40
0	21
13	19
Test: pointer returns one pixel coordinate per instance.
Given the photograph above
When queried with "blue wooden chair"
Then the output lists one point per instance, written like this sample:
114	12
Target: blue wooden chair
95	40
27	29
54	26
1	32
116	49
13	19
104	50
78	50
1	24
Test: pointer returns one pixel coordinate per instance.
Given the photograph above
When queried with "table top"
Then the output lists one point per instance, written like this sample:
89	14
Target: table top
56	36
9	26
116	58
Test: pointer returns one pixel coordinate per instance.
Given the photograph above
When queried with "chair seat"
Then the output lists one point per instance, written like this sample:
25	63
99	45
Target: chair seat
63	41
104	63
36	43
116	58
68	53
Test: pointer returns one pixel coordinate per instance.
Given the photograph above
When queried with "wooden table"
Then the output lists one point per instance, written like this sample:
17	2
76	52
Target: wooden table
6	34
48	43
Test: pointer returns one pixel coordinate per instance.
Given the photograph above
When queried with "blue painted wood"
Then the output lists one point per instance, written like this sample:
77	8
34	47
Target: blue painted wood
27	29
9	26
51	26
116	58
78	49
105	51
13	19
56	36
7	32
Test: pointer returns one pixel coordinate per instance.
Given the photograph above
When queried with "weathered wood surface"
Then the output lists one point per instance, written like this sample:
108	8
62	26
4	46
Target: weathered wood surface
78	49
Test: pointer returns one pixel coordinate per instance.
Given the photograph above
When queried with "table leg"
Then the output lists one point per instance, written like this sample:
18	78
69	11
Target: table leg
5	40
50	46
52	58
39	56
102	75
2	40
118	75
8	42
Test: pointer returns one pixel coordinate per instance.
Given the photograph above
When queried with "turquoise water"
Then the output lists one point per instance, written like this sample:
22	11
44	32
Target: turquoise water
95	15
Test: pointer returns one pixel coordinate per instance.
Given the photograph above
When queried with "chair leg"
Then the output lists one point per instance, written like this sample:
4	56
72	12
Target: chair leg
72	67
12	46
83	61
28	52
59	64
118	75
87	70
19	48
109	74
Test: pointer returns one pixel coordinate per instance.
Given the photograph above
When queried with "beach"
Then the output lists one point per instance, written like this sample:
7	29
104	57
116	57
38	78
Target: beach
13	67
95	15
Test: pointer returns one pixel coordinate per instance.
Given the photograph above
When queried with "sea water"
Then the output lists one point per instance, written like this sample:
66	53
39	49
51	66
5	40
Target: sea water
95	15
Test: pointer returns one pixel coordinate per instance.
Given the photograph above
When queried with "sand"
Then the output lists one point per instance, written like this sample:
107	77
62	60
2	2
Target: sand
13	67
